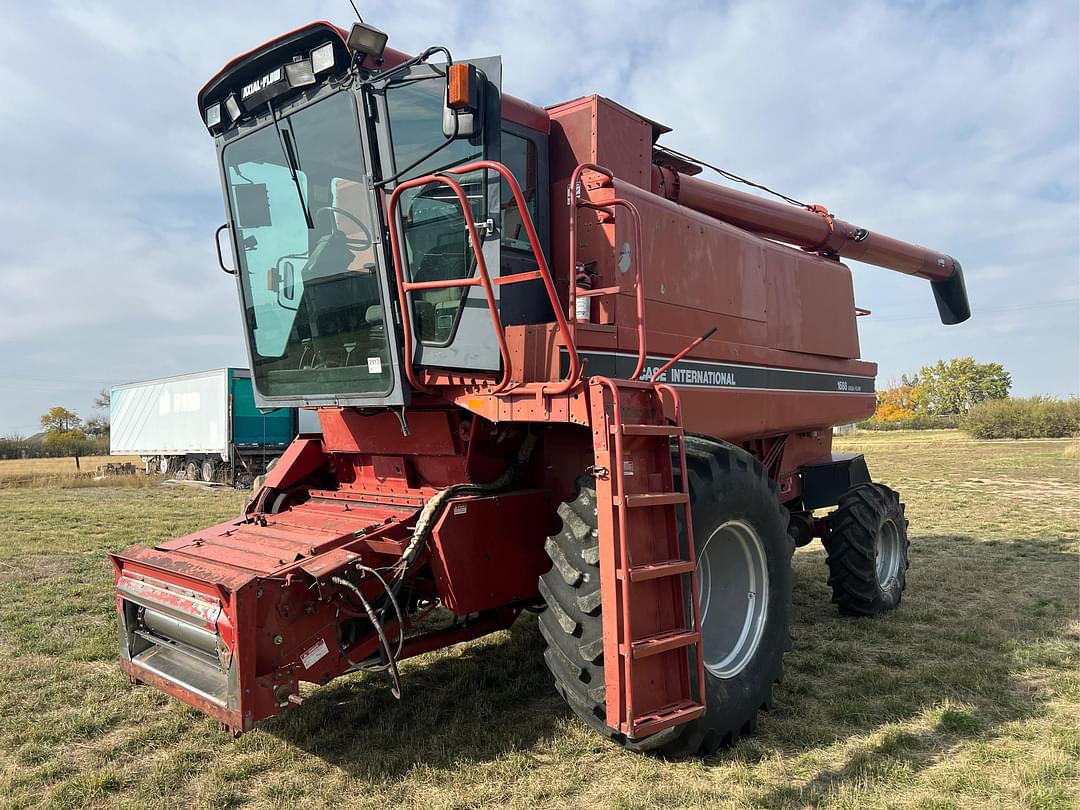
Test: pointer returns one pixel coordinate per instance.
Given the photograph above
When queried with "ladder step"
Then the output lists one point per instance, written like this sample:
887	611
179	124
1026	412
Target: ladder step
667	568
652	430
681	711
663	642
656	499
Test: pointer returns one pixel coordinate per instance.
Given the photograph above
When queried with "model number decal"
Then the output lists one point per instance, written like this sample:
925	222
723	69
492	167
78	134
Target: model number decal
846	386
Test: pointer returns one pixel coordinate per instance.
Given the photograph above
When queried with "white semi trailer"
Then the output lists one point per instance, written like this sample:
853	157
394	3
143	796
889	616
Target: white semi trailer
203	426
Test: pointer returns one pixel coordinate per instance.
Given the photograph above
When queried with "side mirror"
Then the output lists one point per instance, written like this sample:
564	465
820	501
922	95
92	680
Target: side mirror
220	254
463	115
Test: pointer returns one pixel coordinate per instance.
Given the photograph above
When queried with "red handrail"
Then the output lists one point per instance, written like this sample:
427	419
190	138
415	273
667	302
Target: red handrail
639	285
482	278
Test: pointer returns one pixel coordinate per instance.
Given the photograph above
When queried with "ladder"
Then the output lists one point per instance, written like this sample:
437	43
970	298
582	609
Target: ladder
653	665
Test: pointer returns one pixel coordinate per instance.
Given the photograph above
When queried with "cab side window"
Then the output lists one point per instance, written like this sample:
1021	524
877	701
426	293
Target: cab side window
519	155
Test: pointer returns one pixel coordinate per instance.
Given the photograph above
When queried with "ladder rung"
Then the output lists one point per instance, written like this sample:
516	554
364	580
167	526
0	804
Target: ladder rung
656	499
652	430
667	568
682	711
516	278
584	292
663	642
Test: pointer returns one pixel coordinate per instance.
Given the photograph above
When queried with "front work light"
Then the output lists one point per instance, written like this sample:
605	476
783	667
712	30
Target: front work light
322	58
232	107
299	74
365	39
212	116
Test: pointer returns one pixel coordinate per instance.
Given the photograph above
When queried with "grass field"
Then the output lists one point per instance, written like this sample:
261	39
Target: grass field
967	696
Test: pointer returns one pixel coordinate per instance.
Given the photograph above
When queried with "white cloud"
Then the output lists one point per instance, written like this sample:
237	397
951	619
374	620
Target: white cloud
950	124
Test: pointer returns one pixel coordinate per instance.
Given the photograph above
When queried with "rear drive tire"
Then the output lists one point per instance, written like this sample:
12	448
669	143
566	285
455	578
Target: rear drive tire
868	550
737	516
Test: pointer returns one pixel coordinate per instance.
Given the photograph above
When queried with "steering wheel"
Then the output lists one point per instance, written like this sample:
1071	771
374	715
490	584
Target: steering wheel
355	244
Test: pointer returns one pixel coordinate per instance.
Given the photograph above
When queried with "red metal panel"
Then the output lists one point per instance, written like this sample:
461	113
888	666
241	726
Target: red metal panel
300	459
347	431
813	302
489	551
736	415
691	261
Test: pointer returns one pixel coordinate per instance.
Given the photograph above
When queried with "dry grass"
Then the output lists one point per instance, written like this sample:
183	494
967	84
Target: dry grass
965	697
56	471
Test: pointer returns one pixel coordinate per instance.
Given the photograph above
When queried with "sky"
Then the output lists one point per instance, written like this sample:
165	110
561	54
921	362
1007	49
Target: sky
954	125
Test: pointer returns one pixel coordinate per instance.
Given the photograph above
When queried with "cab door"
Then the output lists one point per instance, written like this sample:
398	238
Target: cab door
452	326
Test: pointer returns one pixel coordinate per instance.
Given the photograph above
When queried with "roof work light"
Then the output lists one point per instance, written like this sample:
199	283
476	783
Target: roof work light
363	38
322	58
232	107
299	73
212	116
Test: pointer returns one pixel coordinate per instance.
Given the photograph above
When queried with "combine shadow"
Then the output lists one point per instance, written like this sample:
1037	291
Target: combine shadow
953	649
469	704
975	614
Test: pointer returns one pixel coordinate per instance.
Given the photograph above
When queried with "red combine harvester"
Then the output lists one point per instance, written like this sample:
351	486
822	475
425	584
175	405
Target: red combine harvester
555	371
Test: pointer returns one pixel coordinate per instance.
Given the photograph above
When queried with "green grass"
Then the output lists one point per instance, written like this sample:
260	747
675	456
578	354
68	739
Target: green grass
966	697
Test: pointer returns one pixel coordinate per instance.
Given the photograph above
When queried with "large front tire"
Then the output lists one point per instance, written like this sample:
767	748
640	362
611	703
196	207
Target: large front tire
744	569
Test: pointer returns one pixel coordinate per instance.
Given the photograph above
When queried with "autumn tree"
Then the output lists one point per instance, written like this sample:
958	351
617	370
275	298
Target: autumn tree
64	435
953	387
60	420
897	402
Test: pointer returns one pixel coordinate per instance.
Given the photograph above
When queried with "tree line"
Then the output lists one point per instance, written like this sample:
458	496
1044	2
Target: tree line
961	393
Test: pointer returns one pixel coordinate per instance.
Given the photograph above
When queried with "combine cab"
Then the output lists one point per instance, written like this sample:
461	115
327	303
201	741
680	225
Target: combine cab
554	370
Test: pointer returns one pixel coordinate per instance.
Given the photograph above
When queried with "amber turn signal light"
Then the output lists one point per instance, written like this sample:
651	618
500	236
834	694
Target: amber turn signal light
461	86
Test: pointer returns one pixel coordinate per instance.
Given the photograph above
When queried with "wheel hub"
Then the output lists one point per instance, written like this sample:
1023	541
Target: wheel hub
888	552
733	578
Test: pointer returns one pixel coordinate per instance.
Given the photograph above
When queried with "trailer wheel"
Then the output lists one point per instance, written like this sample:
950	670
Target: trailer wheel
191	470
208	469
743	549
165	465
867	550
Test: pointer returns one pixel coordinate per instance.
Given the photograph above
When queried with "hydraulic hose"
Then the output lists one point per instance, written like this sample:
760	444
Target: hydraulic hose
435	504
391	661
408	558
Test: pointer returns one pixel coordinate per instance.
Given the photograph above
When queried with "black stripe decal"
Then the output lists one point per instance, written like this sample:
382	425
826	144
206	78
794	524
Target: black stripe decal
706	374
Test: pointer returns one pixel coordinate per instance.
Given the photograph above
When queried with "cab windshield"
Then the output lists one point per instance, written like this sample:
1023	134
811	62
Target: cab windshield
304	227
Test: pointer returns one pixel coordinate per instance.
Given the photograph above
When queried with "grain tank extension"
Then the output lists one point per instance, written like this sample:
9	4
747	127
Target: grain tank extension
555	371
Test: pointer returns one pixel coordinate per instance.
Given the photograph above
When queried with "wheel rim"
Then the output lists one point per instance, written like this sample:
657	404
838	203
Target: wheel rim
207	471
888	551
163	465
733	578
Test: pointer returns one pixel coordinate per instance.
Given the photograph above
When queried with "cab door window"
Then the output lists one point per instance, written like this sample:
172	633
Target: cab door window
436	242
519	156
